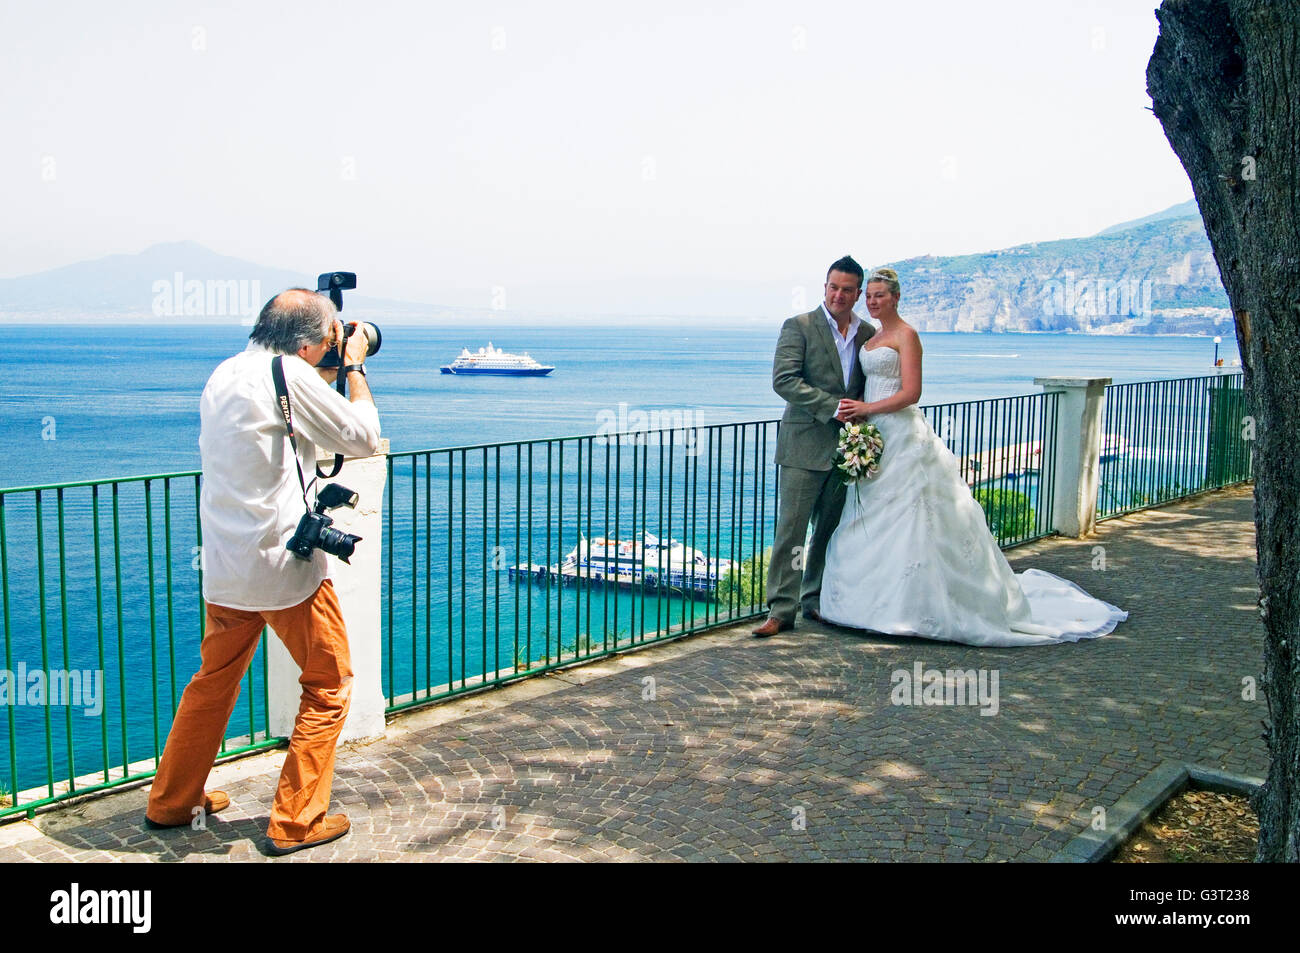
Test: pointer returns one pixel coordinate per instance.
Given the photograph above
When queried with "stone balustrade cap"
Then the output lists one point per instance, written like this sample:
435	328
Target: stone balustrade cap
327	456
1071	381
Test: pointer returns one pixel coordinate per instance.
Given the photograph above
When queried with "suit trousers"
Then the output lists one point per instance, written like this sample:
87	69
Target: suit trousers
316	638
806	495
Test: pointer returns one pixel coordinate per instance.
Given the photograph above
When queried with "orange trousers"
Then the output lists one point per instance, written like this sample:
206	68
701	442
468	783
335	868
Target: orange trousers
316	638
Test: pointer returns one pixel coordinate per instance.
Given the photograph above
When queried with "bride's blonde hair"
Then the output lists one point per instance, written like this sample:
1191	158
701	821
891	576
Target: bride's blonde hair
888	276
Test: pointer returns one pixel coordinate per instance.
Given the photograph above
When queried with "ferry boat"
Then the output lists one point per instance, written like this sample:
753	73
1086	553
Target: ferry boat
1012	462
652	562
1025	459
492	360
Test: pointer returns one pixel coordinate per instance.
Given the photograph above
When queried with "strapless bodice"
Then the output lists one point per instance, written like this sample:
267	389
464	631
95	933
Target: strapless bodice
883	370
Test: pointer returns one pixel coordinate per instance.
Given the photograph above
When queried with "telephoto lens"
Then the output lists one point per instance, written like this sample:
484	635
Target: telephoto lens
371	331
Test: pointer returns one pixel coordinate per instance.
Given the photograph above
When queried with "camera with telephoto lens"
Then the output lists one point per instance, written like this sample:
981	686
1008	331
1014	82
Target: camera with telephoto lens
314	531
335	283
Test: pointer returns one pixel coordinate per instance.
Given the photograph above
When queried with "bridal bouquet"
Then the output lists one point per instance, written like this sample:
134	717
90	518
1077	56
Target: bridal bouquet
858	455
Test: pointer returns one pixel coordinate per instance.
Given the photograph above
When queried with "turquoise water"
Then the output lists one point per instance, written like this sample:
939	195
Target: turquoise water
124	400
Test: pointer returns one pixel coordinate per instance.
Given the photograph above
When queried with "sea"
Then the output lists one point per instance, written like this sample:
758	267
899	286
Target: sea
89	402
82	402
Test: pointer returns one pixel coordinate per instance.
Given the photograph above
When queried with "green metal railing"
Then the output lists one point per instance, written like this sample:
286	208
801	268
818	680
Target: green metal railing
504	560
1166	440
1006	450
101	583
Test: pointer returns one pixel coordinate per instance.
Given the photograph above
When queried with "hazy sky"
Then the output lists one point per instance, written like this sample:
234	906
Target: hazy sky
595	156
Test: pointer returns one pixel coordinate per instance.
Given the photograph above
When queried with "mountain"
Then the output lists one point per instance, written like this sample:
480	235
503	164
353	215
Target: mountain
1186	209
170	282
1153	275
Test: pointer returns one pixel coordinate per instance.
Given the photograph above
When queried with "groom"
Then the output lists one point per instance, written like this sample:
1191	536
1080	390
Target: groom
816	366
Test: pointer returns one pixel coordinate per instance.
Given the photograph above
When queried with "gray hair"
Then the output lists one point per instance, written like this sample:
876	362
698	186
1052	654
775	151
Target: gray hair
286	325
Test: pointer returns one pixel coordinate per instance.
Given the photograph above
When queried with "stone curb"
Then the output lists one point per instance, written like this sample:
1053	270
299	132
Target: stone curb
1147	797
1210	779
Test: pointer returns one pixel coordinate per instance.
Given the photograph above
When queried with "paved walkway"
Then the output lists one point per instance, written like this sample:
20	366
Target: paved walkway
790	748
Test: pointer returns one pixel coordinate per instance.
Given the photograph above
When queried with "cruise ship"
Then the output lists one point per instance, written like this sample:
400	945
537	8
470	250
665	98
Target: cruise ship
491	360
654	563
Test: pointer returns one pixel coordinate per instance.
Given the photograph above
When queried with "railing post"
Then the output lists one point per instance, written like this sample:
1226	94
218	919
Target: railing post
1078	451
360	593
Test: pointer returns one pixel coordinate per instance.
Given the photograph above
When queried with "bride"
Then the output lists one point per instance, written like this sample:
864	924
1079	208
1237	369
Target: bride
912	554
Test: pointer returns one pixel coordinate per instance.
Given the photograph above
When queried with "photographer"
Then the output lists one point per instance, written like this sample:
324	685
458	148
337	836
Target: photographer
250	504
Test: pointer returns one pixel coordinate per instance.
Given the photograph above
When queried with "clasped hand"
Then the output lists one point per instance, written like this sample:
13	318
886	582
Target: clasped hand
851	410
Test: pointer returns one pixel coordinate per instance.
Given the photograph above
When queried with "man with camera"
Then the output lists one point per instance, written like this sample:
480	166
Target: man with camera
251	506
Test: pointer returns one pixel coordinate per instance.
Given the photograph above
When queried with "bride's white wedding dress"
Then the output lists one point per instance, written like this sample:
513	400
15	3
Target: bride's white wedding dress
913	555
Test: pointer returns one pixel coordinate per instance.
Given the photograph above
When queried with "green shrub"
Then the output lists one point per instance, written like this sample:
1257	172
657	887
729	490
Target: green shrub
1007	512
746	584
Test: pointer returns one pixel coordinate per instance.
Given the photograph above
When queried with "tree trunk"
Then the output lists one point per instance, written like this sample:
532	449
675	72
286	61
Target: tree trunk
1224	80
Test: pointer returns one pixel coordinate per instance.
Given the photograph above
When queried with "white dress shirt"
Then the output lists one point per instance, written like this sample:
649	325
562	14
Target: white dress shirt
251	501
845	345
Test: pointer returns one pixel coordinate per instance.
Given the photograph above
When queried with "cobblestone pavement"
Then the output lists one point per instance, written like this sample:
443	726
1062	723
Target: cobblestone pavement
789	748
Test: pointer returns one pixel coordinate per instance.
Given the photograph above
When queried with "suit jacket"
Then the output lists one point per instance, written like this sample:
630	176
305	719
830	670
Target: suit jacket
806	373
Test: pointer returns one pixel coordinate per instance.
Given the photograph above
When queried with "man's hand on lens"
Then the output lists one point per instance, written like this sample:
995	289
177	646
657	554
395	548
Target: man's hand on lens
330	374
358	345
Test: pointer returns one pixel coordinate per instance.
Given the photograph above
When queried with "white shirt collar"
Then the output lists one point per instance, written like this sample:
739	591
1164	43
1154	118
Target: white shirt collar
835	328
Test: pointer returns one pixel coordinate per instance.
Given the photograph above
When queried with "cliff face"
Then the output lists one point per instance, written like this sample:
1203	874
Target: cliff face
1155	277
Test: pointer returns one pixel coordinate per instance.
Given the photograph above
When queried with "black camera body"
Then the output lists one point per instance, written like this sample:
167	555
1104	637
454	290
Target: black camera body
314	530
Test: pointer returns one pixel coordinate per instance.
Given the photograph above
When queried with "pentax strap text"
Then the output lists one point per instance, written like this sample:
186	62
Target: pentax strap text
282	398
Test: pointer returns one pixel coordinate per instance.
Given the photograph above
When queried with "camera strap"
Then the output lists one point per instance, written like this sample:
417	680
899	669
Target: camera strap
282	393
340	384
338	465
338	457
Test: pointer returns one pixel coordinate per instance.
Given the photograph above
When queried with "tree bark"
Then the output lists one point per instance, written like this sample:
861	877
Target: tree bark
1224	81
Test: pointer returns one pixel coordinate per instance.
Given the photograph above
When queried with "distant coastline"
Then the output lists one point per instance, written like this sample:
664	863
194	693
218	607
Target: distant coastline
639	322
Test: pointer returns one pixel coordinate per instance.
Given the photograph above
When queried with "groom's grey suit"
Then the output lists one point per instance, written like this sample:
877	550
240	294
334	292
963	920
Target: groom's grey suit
807	374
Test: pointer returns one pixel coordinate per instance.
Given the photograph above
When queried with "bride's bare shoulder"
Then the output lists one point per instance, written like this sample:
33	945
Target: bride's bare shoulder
909	336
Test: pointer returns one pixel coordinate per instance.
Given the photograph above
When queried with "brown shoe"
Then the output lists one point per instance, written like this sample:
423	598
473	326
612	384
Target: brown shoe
812	615
334	827
771	627
213	801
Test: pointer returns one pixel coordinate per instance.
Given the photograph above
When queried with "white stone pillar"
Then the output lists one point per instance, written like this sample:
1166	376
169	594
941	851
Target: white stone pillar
359	589
1078	451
